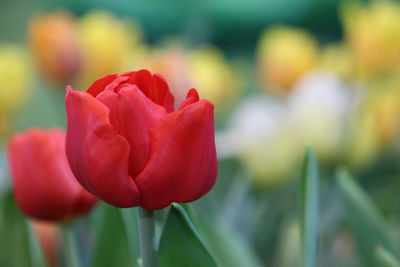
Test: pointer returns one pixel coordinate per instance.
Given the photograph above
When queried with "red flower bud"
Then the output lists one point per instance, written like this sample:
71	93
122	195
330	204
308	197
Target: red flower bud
127	145
44	185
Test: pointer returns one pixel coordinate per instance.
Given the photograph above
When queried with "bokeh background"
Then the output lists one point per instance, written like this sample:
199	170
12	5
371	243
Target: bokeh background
282	75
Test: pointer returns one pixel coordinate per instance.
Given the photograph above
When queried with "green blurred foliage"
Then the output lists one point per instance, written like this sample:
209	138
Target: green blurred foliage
19	246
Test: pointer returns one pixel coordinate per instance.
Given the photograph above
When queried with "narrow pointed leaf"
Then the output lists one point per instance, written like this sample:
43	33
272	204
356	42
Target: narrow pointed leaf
227	247
364	219
309	211
180	243
384	258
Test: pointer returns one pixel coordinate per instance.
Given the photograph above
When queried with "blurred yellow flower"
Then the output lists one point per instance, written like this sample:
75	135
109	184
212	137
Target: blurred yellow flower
363	143
205	69
283	55
14	77
376	123
14	82
109	45
336	58
54	44
386	110
212	76
373	35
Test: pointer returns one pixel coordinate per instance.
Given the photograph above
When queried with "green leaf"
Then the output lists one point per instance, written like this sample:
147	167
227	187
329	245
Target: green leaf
364	219
114	244
21	247
385	259
309	211
226	246
180	243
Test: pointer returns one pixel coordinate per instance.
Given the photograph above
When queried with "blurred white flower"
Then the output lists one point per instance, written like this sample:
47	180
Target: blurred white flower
256	119
261	136
269	135
318	107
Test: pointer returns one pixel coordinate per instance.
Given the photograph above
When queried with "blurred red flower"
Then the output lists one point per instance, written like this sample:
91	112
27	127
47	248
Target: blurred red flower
127	145
44	185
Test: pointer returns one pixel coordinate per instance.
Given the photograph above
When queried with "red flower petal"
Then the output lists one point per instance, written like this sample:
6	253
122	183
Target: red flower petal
191	97
153	86
98	86
43	183
132	114
182	165
98	156
114	85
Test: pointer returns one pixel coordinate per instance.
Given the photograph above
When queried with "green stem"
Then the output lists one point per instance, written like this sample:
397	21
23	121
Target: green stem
69	247
128	220
35	251
147	238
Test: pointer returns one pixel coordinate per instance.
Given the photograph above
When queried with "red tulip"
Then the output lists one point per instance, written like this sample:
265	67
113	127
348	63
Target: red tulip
44	185
127	145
